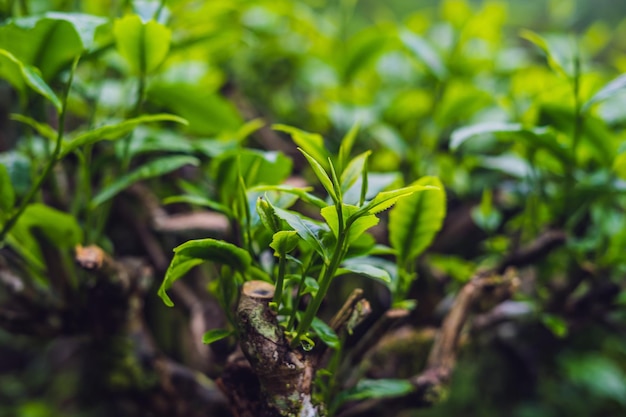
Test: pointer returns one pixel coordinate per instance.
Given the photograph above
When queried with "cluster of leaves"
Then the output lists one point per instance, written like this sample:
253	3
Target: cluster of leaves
310	253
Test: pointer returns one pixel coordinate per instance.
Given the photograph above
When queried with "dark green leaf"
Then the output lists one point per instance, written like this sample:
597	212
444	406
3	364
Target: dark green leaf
116	131
214	335
374	388
7	194
325	333
21	75
50	42
152	169
195	252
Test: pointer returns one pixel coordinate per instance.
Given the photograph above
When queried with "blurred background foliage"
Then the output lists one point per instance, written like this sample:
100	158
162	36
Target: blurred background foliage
546	152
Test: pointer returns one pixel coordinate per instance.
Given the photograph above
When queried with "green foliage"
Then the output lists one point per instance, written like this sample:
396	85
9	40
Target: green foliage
502	107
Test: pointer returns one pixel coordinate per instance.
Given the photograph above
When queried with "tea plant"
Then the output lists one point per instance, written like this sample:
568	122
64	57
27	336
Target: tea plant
310	254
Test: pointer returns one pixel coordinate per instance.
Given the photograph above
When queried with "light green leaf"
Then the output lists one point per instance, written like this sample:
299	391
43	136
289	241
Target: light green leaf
284	242
325	333
357	226
7	194
19	75
214	335
311	143
558	54
416	219
609	90
424	53
619	165
353	171
195	252
116	131
152	169
322	175
144	45
312	232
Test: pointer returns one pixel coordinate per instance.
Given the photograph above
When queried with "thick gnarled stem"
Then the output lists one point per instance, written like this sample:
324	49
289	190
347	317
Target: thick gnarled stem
285	374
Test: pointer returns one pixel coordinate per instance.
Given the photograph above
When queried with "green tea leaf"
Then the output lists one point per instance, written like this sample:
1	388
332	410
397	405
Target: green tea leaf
558	54
360	267
152	169
358	225
144	45
322	175
195	252
325	333
416	219
353	171
386	199
116	131
214	335
20	75
284	242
